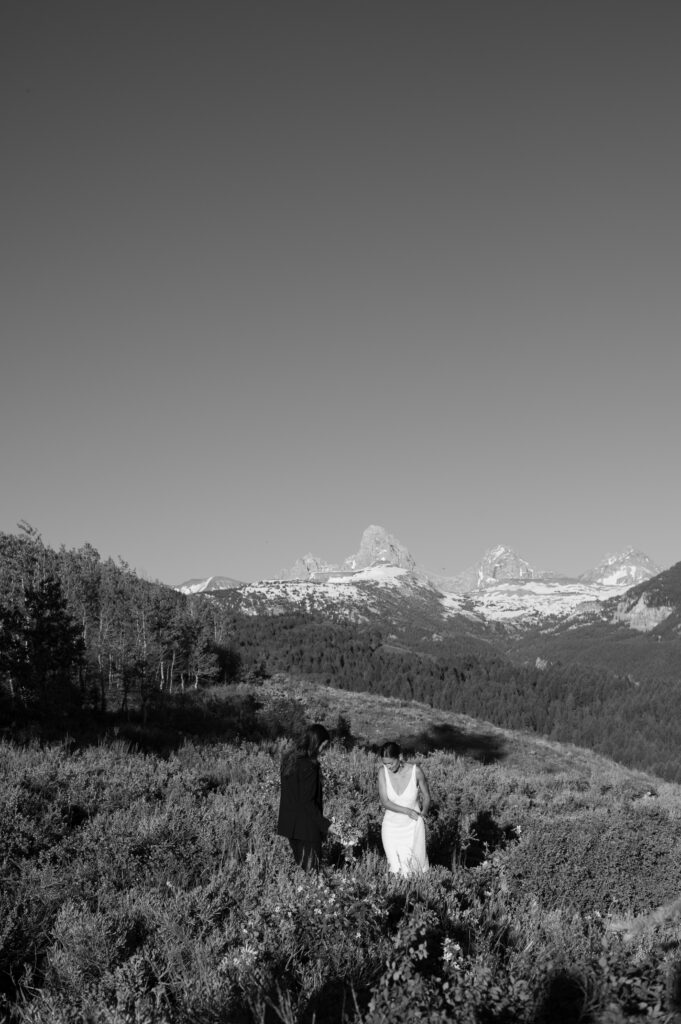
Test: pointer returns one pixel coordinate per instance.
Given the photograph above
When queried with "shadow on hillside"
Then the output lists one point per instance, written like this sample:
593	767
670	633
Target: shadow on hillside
484	747
226	715
196	716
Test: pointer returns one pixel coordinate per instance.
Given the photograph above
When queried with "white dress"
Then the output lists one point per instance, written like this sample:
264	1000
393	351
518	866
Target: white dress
404	838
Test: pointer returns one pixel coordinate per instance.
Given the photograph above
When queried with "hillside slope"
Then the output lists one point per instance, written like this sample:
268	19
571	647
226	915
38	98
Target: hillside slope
155	888
637	634
373	719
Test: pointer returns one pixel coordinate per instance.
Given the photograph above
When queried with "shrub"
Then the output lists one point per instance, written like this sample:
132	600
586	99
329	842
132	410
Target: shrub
135	887
595	861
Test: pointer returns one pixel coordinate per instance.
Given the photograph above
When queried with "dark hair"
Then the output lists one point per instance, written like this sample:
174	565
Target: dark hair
312	740
391	750
307	746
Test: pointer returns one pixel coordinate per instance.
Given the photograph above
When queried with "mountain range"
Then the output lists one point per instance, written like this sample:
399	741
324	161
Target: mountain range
502	585
623	615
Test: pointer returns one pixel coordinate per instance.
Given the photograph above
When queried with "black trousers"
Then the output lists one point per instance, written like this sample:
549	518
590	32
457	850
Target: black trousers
306	855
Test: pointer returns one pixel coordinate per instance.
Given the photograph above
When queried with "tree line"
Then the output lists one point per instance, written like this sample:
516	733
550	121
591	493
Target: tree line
81	633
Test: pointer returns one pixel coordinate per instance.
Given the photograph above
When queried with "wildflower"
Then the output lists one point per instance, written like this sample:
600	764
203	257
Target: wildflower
450	950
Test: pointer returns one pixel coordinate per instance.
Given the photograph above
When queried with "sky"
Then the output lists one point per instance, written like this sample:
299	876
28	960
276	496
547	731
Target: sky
273	272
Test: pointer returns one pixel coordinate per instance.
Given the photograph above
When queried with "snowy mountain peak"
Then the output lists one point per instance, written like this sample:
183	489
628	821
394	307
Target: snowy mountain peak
626	569
377	547
380	547
204	586
502	563
497	565
499	551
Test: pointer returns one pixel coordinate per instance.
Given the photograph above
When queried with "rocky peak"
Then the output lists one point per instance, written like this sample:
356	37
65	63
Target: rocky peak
303	568
497	565
377	547
380	547
628	568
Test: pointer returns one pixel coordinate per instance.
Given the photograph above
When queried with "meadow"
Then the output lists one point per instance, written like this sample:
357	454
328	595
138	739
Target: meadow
149	888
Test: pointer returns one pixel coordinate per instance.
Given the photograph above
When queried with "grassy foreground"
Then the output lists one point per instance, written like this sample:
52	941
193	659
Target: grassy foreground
135	888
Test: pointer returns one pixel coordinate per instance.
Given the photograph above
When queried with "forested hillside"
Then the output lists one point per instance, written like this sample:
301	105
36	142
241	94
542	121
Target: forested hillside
636	725
82	636
605	638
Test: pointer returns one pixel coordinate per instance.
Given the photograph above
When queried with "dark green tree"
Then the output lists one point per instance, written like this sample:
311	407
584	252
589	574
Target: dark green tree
41	649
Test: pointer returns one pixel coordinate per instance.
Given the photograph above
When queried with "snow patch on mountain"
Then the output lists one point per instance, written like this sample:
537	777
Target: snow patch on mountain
205	586
534	600
456	604
384	592
384	575
349	592
623	570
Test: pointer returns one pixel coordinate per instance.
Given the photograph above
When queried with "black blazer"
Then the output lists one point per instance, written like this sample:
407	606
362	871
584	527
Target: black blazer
301	807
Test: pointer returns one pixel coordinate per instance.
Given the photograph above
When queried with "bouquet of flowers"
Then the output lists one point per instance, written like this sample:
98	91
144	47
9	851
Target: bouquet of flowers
348	835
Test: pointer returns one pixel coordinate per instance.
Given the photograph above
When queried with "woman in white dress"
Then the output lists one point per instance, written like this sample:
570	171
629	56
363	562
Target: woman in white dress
404	794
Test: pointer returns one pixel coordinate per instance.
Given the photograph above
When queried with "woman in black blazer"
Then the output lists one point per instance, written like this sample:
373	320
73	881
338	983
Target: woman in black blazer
301	807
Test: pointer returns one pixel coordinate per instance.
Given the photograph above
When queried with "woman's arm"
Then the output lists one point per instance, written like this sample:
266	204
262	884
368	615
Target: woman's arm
388	804
423	790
